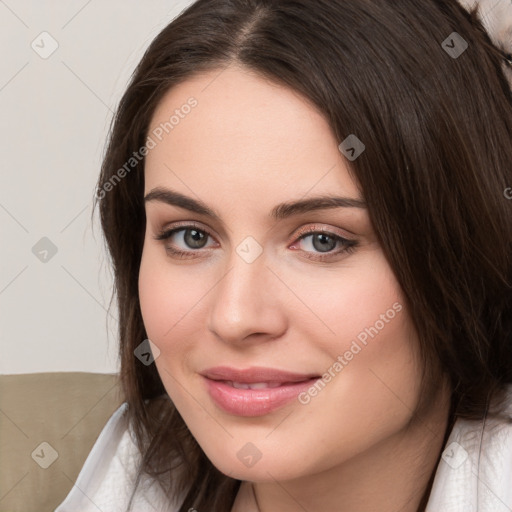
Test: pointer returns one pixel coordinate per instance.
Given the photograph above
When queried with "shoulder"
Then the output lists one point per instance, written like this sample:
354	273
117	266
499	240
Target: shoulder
475	470
108	475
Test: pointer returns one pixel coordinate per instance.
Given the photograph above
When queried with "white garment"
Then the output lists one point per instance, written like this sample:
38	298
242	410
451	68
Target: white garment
475	472
473	475
107	478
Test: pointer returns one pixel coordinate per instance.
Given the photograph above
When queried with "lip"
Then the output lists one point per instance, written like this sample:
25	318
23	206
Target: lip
255	374
254	402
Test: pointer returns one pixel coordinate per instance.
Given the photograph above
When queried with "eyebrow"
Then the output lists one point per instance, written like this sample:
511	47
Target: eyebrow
281	211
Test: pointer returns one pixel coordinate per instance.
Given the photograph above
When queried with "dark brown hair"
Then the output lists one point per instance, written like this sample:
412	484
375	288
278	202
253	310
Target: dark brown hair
437	131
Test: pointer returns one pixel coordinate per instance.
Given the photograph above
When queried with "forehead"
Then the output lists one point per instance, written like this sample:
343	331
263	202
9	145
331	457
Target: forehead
244	135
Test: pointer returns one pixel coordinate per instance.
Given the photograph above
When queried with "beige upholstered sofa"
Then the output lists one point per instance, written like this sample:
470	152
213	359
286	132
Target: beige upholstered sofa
48	424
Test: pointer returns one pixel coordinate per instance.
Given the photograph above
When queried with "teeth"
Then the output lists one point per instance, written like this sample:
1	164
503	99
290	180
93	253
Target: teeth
239	385
254	385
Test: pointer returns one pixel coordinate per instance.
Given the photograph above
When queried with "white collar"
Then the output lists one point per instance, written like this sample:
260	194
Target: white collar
475	470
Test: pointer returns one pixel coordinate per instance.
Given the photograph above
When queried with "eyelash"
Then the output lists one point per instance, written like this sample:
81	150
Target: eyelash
349	245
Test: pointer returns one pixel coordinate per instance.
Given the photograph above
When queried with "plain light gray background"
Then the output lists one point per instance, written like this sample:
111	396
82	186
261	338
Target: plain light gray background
55	114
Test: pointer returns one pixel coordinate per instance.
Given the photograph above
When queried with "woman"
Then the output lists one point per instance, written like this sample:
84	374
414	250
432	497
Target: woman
306	208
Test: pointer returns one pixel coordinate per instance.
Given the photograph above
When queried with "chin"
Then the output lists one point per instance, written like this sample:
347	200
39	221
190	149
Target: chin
243	464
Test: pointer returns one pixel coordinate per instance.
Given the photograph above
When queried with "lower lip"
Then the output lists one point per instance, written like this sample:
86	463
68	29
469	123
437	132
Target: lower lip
254	402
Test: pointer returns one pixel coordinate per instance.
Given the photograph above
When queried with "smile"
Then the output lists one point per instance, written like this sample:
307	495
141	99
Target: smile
256	391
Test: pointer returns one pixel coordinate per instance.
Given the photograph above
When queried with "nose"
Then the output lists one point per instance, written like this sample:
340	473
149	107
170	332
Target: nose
246	303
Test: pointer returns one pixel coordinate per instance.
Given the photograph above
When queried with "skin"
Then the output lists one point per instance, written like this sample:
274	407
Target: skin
248	145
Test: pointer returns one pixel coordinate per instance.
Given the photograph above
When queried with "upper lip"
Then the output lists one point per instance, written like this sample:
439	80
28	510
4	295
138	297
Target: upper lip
255	374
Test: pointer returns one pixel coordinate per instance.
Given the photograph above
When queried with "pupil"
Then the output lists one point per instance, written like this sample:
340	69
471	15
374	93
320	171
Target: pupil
322	239
195	239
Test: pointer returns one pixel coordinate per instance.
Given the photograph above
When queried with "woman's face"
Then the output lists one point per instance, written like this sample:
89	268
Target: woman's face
260	290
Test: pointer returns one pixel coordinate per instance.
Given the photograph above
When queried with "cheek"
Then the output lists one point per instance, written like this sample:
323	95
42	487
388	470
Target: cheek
361	303
372	350
166	296
173	308
155	296
166	304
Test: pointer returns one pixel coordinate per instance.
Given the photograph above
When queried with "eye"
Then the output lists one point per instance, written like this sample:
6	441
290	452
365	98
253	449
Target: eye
191	237
320	244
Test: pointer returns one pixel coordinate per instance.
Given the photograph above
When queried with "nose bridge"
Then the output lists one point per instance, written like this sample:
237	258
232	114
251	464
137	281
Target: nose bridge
244	301
239	295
